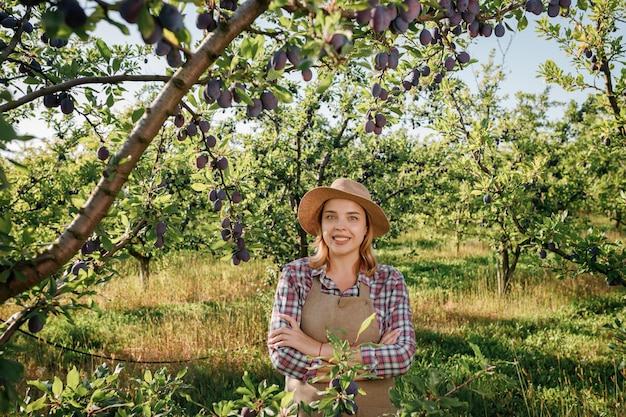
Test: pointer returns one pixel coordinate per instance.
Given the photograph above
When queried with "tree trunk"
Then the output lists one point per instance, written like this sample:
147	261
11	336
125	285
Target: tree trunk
507	267
144	266
503	270
457	237
144	271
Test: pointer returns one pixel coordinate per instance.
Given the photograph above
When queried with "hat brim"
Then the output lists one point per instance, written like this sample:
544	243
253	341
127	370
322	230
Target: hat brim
313	201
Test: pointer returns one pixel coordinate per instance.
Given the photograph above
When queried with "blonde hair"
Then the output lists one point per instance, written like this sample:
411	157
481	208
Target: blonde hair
320	256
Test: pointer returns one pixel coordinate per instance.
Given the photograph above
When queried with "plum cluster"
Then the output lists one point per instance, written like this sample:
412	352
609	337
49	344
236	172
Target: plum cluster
381	18
216	92
208	142
233	231
593	59
62	100
169	18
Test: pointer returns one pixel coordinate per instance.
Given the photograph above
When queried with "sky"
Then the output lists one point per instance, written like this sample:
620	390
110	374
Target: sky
520	54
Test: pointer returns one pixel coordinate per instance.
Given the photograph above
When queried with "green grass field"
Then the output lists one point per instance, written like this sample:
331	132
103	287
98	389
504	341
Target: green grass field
546	342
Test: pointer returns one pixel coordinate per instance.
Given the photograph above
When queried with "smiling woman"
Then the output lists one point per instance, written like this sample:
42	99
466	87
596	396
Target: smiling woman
339	287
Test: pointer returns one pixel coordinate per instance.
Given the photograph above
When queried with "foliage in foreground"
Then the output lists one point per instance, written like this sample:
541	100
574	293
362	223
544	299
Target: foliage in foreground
160	393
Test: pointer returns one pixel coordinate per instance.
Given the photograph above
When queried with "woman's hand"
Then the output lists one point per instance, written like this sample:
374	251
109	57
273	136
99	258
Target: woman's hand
293	337
390	337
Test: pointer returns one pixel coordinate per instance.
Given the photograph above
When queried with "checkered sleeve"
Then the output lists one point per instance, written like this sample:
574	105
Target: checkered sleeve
394	312
291	292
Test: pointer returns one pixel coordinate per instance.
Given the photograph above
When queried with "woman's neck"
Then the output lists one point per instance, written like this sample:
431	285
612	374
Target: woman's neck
344	272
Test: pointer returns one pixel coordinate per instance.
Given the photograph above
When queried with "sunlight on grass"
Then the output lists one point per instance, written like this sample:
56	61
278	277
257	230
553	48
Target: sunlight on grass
205	314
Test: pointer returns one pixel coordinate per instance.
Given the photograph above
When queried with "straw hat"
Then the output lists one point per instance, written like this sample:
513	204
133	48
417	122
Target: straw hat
312	202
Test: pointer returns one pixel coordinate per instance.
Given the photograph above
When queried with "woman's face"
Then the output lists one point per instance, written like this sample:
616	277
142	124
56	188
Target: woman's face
344	225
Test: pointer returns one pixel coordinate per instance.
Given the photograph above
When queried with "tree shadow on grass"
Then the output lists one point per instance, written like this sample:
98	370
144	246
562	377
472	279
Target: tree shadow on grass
527	353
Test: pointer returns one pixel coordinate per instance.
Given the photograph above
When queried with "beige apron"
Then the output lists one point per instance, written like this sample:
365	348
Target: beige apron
324	311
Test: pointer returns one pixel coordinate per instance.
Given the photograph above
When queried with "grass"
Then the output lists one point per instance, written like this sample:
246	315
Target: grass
546	338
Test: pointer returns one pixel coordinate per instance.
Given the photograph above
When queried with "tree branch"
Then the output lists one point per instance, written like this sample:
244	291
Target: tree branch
113	79
121	164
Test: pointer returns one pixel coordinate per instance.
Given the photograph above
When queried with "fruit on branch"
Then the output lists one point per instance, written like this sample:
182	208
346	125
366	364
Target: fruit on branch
50	100
210	141
89	247
204	125
201	161
449	62
206	21
268	100
212	91
254	109
75	16
155	35
174	58
222	164
534	6
426	37
171	18
179	120
307	75
160	228
67	105
463	57
102	153
192	129
9	22
225	99
293	55
162	48
228	5
129	10
35	323
499	30
78	266
278	60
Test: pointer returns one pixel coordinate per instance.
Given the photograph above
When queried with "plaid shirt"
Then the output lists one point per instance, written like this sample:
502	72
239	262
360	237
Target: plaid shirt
391	301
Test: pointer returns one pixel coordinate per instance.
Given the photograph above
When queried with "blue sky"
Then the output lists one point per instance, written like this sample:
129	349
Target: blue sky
521	54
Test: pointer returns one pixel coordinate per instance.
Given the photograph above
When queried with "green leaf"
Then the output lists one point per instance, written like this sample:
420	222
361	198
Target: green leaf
7	133
52	20
4	275
78	202
137	114
199	186
57	387
104	49
147	376
522	23
145	21
73	378
366	323
5	224
282	94
324	82
582	4
37	404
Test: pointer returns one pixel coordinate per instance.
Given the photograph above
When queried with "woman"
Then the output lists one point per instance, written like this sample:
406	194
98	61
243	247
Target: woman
340	286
